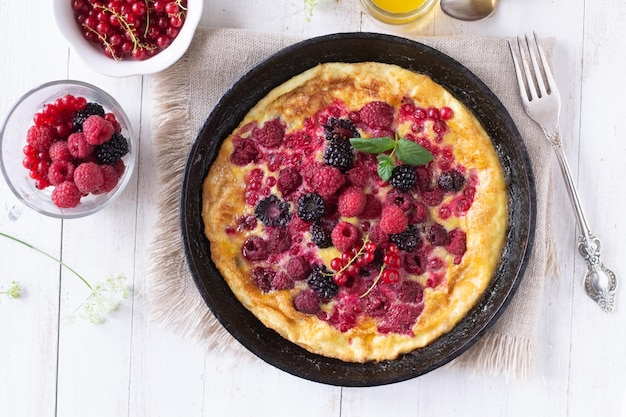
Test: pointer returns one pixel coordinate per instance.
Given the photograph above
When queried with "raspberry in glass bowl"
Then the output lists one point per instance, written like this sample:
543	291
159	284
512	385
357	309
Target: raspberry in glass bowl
67	149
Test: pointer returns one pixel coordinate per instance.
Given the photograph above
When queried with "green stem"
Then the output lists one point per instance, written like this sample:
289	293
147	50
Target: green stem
369	290
145	32
395	147
104	41
359	253
69	268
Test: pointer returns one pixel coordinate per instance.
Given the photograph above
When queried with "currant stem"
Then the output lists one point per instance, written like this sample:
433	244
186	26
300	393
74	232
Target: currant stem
359	253
128	28
104	41
369	290
145	32
69	268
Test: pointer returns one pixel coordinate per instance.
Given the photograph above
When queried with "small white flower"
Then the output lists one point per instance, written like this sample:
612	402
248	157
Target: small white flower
309	5
104	298
14	290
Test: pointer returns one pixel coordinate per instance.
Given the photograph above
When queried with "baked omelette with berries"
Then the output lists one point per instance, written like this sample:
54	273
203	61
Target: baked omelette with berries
359	210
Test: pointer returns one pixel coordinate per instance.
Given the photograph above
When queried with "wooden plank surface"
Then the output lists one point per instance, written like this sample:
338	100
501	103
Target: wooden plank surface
130	366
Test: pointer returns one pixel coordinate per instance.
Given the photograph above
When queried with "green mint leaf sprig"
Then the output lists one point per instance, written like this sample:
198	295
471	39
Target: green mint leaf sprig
373	145
403	149
385	166
411	153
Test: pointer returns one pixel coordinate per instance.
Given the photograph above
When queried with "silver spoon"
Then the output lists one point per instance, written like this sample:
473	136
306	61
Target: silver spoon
469	10
600	282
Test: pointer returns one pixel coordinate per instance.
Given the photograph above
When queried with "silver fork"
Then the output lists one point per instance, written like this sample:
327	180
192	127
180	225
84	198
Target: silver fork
542	102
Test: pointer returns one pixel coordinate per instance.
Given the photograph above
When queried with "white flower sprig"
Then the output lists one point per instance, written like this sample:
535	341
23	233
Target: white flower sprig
309	5
104	296
14	290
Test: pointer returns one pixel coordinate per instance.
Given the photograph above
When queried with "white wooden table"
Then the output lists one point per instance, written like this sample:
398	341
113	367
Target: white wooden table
130	366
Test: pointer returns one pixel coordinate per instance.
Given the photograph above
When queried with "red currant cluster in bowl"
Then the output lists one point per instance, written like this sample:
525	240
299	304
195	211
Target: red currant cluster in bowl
75	147
130	29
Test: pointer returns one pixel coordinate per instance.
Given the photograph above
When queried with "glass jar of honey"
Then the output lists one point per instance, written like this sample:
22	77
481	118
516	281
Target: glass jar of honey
398	12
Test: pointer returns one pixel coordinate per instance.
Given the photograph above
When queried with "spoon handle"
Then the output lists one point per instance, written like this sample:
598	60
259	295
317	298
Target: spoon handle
600	282
570	186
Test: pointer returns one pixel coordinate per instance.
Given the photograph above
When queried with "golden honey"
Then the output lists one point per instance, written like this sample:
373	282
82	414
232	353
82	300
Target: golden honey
399	6
398	12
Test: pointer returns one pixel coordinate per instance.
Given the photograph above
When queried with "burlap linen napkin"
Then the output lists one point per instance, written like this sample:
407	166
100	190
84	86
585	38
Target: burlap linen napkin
185	94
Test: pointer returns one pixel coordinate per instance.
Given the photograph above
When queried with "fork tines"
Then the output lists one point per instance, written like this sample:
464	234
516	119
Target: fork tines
532	82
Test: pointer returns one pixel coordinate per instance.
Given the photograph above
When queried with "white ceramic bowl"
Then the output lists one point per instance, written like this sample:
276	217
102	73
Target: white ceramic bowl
13	140
99	62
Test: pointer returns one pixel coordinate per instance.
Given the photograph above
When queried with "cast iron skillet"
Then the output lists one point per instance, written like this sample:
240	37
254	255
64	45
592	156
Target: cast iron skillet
358	47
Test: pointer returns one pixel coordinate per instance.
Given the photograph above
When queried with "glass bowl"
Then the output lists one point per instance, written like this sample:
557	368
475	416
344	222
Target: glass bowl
94	57
398	12
13	134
